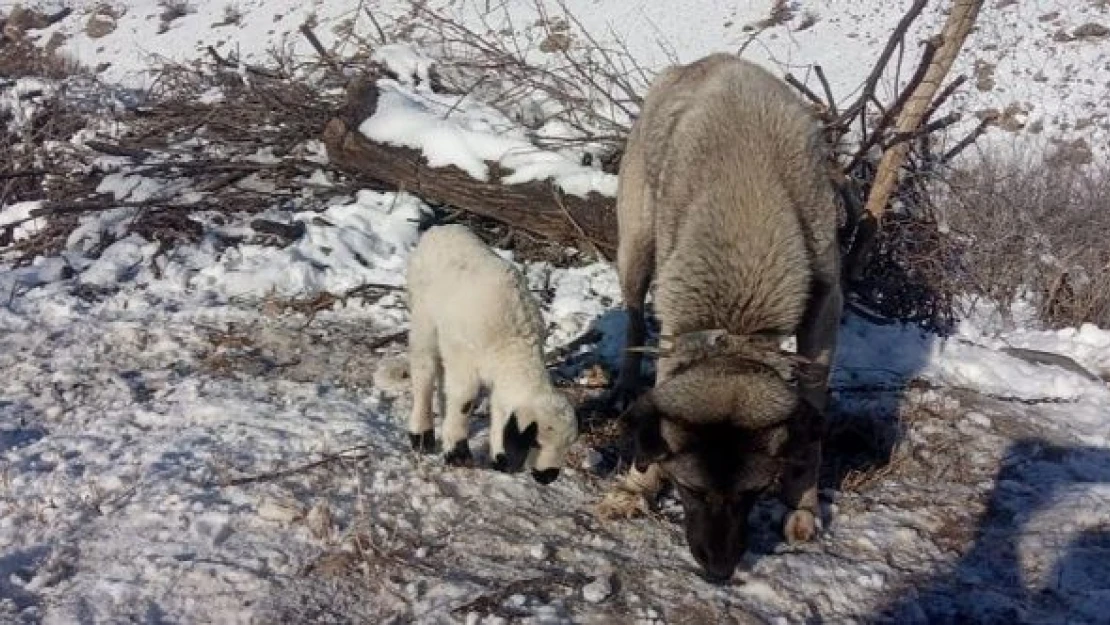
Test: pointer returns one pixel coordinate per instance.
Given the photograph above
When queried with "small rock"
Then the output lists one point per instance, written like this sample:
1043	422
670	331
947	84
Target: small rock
1091	30
979	419
278	511
555	42
319	520
599	589
540	551
101	24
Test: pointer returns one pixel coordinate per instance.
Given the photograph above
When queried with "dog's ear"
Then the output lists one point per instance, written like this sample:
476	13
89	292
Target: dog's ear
645	424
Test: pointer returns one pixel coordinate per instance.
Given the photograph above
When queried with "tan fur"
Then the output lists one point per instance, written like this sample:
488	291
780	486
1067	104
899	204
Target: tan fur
723	199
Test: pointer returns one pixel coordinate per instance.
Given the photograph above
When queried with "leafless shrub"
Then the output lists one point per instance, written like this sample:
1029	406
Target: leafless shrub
809	19
781	13
1037	231
552	72
22	58
232	15
172	10
41	116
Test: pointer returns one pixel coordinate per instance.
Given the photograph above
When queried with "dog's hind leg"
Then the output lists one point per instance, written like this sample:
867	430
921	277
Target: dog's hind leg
635	263
819	327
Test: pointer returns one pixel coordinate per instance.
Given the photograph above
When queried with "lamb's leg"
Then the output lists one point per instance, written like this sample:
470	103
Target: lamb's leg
510	445
633	495
816	343
461	390
424	370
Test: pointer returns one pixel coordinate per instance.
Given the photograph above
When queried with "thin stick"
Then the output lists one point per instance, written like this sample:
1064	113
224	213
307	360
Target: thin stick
377	26
884	58
27	173
891	113
806	91
944	95
319	47
828	90
927	129
274	475
578	227
972	137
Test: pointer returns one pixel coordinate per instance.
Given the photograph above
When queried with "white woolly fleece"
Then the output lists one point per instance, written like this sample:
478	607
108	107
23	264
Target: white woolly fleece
475	324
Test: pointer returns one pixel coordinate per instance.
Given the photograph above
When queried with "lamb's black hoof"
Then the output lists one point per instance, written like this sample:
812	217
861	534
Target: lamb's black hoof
501	463
424	442
545	476
459	455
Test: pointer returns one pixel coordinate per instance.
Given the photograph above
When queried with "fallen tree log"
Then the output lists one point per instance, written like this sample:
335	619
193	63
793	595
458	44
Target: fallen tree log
540	208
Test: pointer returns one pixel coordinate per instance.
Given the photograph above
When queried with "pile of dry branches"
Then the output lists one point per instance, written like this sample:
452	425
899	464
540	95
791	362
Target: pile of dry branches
885	154
898	262
552	73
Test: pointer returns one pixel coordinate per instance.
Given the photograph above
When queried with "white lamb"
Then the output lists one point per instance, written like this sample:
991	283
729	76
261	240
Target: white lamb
474	325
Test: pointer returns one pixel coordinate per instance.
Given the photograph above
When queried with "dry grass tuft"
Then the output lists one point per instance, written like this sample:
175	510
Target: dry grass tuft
1036	232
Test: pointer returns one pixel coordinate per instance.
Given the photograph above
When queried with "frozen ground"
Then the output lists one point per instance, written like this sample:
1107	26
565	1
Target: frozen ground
175	446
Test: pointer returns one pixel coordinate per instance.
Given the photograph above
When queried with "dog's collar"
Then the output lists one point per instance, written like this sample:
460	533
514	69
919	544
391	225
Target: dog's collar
762	348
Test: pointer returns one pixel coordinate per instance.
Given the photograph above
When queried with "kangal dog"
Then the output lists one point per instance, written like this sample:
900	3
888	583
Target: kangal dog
724	198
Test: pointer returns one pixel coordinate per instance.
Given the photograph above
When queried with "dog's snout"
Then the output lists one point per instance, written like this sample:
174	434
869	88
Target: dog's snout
719	578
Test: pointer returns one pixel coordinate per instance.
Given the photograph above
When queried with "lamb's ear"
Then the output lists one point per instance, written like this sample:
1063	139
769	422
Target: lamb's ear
521	439
644	422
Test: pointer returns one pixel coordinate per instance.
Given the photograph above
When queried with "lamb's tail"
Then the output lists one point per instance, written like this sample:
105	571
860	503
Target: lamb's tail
392	375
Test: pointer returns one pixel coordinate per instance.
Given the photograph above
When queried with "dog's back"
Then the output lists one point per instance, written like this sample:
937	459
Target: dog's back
729	163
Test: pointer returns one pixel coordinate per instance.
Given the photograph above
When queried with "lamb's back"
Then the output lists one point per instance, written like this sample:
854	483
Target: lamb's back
477	300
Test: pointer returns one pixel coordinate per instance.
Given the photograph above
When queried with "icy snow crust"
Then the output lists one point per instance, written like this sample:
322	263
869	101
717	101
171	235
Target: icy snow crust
128	413
149	405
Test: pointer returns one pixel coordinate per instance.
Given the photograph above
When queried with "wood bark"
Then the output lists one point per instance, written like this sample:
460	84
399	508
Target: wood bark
956	29
536	207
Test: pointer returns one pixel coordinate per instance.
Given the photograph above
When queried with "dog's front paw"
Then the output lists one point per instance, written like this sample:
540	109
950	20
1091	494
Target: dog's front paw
800	526
620	503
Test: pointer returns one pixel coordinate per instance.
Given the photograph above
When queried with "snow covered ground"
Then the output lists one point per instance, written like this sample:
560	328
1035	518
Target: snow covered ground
177	447
1041	63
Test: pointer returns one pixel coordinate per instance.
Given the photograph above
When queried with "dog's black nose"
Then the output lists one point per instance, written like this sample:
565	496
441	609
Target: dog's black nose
545	476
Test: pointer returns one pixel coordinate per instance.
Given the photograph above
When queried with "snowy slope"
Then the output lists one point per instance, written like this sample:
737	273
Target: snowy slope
150	406
1042	63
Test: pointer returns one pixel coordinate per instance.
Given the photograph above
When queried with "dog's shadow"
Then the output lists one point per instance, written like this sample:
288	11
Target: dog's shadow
989	584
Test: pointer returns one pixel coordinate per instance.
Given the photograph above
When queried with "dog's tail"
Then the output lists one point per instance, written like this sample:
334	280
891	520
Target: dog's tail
392	375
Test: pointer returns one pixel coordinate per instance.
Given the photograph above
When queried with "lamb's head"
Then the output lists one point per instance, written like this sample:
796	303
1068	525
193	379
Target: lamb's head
717	430
537	435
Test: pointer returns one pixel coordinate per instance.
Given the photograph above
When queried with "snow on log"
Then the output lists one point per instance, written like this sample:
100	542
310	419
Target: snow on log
536	206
